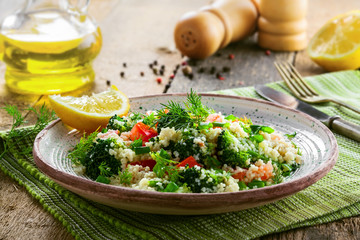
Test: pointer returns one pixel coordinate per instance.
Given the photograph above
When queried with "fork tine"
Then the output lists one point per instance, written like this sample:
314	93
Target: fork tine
302	81
284	73
296	81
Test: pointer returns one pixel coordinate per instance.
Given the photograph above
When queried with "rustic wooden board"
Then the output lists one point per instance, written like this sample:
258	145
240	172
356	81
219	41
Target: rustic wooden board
246	63
138	33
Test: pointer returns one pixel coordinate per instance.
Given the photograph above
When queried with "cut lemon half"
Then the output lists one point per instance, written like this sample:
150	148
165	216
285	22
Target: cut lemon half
336	46
89	113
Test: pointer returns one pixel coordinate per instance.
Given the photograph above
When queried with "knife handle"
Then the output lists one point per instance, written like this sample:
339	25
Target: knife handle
345	128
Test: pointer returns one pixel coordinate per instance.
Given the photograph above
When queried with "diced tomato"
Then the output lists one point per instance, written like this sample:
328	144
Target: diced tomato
143	131
190	161
239	175
145	163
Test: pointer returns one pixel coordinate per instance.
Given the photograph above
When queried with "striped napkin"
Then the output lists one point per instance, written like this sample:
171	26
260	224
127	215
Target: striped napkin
335	196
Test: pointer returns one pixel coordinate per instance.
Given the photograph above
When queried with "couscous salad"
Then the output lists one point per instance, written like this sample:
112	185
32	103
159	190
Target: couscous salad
186	148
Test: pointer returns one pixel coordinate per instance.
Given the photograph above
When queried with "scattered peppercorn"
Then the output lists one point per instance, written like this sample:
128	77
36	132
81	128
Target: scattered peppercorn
190	76
142	74
172	76
155	62
212	70
268	52
124	65
201	70
162	67
177	66
184	63
231	56
186	70
167	86
218	54
226	69
161	72
151	65
158	80
122	74
108	82
155	71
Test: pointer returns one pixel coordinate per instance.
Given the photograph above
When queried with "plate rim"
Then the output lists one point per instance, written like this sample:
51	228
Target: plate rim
124	193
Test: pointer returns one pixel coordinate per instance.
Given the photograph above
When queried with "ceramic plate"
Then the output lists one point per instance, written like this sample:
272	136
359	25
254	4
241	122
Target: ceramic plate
318	144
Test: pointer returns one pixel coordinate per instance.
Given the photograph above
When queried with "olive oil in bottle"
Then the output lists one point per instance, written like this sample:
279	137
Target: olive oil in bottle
48	51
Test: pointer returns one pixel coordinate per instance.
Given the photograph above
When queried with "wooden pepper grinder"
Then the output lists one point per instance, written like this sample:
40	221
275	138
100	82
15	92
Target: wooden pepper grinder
200	34
282	25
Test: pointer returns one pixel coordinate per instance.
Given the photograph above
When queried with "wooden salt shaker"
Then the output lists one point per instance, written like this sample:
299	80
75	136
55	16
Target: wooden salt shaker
201	33
282	24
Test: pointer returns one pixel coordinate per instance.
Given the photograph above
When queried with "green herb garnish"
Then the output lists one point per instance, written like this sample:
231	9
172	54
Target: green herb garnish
291	136
78	154
125	177
44	116
256	183
102	179
141	150
163	165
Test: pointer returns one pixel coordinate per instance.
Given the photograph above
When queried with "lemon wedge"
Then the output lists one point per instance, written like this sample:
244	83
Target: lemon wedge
88	113
336	46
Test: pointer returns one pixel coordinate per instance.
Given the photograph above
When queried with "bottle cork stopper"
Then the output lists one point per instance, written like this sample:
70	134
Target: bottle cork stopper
199	34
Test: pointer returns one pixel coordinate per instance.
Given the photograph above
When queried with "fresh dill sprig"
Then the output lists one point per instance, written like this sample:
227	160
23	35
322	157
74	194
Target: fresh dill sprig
78	154
194	105
18	119
44	116
174	115
105	170
125	177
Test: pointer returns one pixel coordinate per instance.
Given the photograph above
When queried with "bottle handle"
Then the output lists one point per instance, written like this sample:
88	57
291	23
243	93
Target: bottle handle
75	6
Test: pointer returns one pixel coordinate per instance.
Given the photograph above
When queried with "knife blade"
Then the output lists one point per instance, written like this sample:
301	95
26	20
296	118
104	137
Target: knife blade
335	123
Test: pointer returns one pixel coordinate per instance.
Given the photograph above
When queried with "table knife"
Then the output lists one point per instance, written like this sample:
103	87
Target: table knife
335	123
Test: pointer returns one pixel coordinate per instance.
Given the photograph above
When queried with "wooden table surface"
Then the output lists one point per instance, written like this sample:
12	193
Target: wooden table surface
137	33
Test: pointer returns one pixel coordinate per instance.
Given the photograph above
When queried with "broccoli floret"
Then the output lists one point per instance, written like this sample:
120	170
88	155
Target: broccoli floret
124	124
99	155
201	180
186	147
119	123
227	153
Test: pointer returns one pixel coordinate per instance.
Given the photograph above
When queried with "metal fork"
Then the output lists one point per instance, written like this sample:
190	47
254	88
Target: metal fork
303	90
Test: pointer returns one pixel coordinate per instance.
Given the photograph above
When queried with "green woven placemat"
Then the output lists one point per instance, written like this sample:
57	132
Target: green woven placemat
335	196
